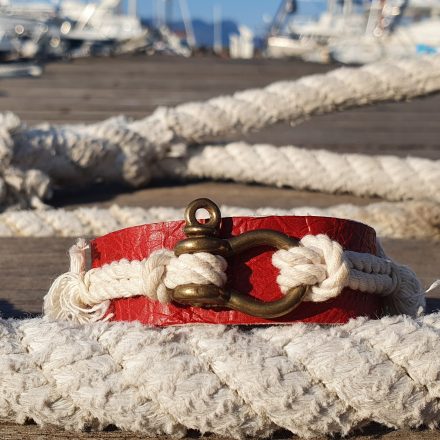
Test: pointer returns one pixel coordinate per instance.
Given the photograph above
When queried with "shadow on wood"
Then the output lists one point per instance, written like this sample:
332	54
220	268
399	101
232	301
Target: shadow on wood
8	310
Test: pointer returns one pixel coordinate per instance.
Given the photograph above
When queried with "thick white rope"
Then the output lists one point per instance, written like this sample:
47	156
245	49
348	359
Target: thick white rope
389	177
18	189
23	189
412	219
117	150
307	379
84	296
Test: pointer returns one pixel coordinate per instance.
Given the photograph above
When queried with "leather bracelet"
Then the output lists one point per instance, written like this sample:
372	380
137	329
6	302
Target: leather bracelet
249	272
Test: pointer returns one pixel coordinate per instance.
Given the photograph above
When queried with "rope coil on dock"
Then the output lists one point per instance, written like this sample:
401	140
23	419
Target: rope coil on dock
307	379
117	150
412	219
385	176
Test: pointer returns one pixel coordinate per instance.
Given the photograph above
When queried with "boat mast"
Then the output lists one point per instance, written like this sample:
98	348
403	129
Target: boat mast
190	37
286	8
161	13
132	8
331	7
218	46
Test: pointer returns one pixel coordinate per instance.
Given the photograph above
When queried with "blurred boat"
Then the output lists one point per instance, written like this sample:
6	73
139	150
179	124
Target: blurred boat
72	28
292	36
399	29
25	37
355	32
15	70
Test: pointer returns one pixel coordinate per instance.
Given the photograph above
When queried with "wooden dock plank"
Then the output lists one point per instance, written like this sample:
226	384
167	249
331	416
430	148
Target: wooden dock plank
9	431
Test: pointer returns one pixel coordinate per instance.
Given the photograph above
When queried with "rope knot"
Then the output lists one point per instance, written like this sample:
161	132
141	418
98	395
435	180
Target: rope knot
153	273
318	262
199	268
408	297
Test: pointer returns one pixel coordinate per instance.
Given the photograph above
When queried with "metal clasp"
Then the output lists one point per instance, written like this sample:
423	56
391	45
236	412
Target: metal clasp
203	237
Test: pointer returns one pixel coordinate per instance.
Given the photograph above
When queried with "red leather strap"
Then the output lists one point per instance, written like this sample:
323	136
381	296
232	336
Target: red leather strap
251	272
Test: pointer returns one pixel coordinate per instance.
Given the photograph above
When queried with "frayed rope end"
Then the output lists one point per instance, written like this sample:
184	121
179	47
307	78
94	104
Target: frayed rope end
66	298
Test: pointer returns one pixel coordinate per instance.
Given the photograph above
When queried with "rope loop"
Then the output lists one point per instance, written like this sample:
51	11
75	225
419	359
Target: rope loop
319	262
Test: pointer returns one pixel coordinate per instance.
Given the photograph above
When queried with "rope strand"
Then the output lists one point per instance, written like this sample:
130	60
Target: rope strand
122	151
413	219
307	379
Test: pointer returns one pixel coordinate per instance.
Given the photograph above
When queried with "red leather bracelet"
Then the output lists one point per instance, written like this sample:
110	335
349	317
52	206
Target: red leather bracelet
250	272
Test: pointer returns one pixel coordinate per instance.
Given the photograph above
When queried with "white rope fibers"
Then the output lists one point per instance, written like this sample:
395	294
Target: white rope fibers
412	219
307	379
18	189
117	150
389	177
320	263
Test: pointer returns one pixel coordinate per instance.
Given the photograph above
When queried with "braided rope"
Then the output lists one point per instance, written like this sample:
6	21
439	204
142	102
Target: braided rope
117	150
411	219
389	177
307	379
18	189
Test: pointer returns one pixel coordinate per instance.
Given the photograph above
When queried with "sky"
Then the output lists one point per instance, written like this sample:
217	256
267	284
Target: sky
247	12
251	13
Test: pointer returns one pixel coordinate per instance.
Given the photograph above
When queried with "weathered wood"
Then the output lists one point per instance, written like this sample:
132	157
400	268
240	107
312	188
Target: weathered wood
226	193
10	431
95	89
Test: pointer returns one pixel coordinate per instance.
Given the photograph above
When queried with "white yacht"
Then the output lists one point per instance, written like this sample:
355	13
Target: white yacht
82	28
98	21
71	26
293	35
394	30
355	33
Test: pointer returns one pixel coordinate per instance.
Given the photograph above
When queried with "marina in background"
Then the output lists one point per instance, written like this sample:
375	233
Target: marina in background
346	31
356	31
99	79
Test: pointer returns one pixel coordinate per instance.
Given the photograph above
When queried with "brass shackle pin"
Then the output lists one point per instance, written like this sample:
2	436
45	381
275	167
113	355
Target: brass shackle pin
204	237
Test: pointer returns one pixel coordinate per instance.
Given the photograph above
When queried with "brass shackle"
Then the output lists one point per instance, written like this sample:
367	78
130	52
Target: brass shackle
204	237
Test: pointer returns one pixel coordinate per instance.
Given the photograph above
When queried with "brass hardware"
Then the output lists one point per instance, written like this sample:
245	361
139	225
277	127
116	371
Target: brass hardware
203	237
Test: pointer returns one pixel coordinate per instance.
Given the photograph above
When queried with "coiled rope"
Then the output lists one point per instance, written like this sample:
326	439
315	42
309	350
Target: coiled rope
389	177
307	379
117	150
233	382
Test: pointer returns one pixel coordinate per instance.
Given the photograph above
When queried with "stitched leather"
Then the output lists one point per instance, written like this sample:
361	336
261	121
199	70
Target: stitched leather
251	272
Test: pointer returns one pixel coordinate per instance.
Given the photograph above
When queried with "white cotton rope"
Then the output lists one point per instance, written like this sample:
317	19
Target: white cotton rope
319	263
412	219
117	150
310	380
82	372
386	176
18	188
